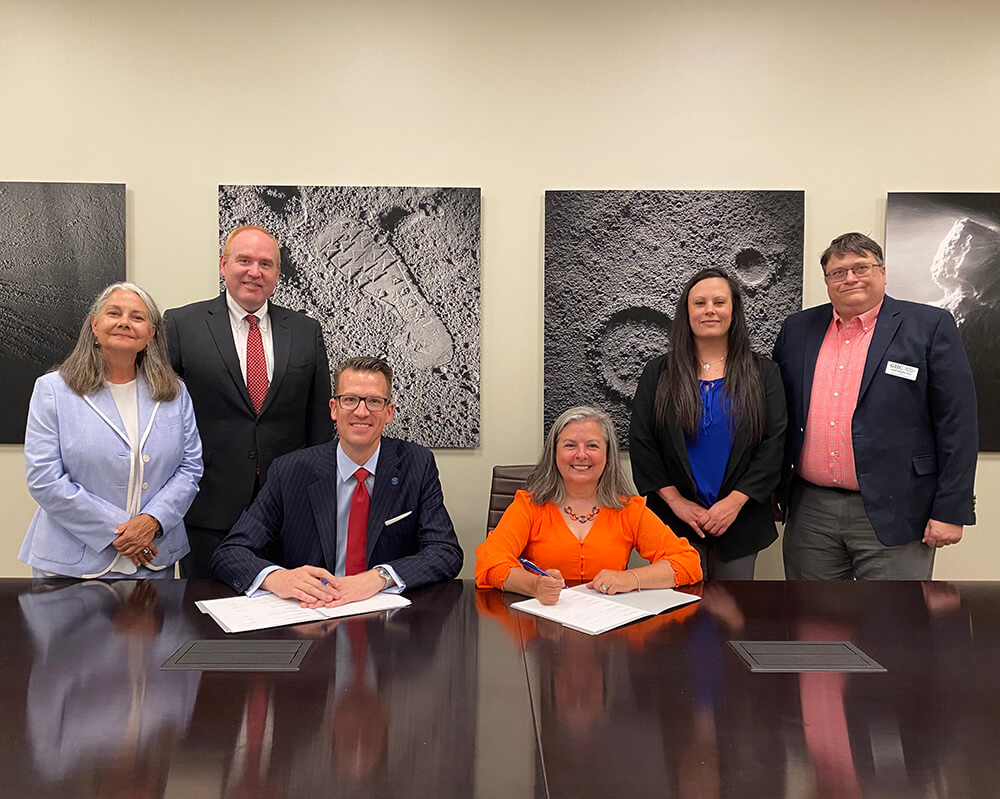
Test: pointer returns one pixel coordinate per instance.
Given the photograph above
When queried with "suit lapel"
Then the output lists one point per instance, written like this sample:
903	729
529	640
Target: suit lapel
281	341
105	405
323	499
885	329
221	330
810	353
145	405
387	481
740	445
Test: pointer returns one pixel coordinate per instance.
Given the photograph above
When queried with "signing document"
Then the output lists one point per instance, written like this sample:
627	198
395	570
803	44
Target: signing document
588	611
240	614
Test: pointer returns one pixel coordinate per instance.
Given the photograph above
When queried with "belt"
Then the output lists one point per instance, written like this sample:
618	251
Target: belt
837	489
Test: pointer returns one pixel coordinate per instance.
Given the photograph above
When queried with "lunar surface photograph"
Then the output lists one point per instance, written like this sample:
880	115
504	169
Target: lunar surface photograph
944	249
62	244
615	265
389	271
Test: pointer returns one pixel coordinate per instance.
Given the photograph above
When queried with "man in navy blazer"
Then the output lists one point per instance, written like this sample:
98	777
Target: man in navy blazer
881	445
208	343
295	539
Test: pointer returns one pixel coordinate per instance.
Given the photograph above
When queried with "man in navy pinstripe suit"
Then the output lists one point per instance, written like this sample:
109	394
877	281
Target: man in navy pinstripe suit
293	540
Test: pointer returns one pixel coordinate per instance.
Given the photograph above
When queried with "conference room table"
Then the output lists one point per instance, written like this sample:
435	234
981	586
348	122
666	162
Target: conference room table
458	695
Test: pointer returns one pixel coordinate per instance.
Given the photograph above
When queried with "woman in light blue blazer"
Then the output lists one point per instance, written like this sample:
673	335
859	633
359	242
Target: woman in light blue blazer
111	450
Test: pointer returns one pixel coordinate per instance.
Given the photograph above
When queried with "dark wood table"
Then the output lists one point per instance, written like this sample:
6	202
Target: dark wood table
458	696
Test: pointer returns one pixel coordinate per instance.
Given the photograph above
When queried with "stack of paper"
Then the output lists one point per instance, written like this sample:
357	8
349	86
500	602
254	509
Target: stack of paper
240	614
588	611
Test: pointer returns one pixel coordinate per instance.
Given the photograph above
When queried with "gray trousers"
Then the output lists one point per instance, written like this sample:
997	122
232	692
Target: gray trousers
828	537
713	568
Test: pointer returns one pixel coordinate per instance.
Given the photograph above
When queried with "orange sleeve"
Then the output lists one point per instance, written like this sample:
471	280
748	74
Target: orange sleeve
498	554
654	541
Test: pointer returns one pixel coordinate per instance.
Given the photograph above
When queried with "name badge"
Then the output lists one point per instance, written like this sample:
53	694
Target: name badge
901	370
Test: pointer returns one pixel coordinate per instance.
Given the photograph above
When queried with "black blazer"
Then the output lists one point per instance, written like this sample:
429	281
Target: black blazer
659	459
236	441
915	441
293	521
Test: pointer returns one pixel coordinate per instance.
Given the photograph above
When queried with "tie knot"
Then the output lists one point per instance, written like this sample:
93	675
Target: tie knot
361	475
251	320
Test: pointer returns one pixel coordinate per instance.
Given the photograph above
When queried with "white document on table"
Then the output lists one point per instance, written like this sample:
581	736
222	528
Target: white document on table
240	614
592	612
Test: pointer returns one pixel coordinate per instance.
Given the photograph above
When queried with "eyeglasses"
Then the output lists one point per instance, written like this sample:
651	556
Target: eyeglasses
859	270
351	401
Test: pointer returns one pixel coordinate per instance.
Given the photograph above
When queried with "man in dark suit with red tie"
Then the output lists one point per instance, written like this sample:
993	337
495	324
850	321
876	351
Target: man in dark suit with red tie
259	379
341	521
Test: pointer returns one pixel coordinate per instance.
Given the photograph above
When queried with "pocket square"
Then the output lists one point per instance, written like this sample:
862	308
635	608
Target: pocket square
395	519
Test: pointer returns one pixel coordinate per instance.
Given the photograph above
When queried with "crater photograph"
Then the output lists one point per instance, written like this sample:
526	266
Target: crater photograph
616	262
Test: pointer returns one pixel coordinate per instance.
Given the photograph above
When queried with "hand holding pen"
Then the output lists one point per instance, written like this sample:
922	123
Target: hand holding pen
549	584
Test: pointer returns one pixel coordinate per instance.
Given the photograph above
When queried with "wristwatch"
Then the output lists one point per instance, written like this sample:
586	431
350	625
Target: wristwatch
383	572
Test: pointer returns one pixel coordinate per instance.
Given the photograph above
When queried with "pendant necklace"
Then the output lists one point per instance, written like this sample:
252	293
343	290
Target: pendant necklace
581	518
708	365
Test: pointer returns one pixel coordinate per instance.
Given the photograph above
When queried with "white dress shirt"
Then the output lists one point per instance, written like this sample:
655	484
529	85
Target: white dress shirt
241	329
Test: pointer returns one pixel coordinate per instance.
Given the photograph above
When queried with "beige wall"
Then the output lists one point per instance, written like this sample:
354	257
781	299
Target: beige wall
845	100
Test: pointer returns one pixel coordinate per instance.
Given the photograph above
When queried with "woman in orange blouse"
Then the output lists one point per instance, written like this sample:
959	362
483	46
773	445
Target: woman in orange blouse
579	519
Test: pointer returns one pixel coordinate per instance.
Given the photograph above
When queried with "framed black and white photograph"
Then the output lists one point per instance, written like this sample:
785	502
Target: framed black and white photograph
617	261
943	248
390	271
62	244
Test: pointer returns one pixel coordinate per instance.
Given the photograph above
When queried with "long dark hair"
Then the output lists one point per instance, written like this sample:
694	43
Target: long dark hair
679	386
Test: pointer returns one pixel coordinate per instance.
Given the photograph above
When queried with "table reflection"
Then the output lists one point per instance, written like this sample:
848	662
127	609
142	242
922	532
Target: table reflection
665	706
432	700
384	704
883	735
99	712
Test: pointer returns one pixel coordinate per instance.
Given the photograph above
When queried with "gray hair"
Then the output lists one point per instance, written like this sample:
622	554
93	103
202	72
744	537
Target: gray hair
614	487
84	369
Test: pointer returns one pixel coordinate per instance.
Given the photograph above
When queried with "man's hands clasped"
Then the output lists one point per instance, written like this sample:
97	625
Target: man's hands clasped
315	587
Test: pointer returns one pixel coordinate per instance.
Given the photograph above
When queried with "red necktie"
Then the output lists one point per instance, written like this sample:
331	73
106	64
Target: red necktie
358	636
357	526
256	365
256	727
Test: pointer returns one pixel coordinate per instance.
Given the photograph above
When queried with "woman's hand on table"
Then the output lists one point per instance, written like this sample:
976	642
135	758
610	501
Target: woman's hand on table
549	587
608	581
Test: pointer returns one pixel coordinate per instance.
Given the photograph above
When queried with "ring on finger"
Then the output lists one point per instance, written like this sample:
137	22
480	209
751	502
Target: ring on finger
146	551
604	588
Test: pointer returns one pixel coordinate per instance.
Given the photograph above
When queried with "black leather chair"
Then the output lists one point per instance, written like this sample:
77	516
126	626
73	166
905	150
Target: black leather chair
507	480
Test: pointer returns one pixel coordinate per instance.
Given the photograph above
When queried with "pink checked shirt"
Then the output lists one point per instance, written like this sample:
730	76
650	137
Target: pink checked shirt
827	457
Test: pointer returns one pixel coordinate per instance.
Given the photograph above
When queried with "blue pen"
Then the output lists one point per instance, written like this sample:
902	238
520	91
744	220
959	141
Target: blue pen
531	567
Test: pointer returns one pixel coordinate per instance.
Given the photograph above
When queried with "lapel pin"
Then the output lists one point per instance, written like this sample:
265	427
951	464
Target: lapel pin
395	481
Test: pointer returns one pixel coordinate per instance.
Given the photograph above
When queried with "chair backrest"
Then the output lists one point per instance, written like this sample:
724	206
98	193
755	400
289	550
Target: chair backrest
507	480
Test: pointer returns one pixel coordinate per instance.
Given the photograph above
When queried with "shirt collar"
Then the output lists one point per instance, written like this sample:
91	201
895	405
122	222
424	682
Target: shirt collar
346	467
237	313
867	319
